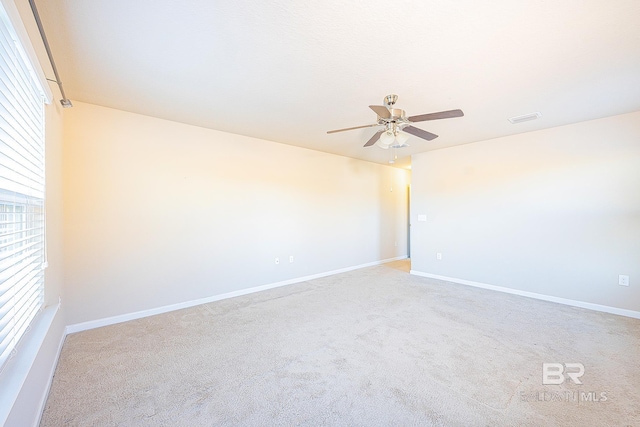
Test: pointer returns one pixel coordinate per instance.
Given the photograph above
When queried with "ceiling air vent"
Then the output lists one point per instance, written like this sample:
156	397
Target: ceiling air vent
525	117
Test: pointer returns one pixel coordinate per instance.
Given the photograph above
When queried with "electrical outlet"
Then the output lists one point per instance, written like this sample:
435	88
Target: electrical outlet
439	256
277	260
623	280
290	258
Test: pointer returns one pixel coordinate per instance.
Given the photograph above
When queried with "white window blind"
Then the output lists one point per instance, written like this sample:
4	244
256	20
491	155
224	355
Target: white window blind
22	216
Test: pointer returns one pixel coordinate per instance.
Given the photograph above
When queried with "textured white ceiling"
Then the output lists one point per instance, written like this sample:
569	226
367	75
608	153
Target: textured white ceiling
288	71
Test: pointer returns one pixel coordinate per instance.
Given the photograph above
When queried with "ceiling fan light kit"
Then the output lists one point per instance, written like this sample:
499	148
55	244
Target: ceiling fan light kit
401	140
397	125
385	140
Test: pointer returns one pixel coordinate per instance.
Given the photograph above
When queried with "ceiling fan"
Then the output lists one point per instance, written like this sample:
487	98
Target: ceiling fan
397	124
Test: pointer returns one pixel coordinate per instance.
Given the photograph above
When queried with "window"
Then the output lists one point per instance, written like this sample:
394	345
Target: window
22	217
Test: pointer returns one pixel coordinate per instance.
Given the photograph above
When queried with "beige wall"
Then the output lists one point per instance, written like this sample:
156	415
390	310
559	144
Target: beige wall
158	212
555	212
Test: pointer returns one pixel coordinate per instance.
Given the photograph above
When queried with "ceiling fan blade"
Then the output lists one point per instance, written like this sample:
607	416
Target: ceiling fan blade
381	110
420	133
435	116
374	138
356	127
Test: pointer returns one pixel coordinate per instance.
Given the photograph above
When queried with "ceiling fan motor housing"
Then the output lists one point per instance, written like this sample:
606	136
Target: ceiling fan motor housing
396	113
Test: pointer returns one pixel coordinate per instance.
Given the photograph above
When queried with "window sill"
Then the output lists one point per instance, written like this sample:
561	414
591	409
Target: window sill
17	369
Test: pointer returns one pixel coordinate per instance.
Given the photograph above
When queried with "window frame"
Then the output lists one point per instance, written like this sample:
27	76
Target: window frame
23	109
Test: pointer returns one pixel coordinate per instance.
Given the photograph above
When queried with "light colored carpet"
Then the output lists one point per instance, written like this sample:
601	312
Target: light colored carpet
374	346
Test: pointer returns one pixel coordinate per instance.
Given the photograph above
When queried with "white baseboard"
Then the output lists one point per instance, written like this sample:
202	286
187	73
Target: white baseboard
78	327
565	301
